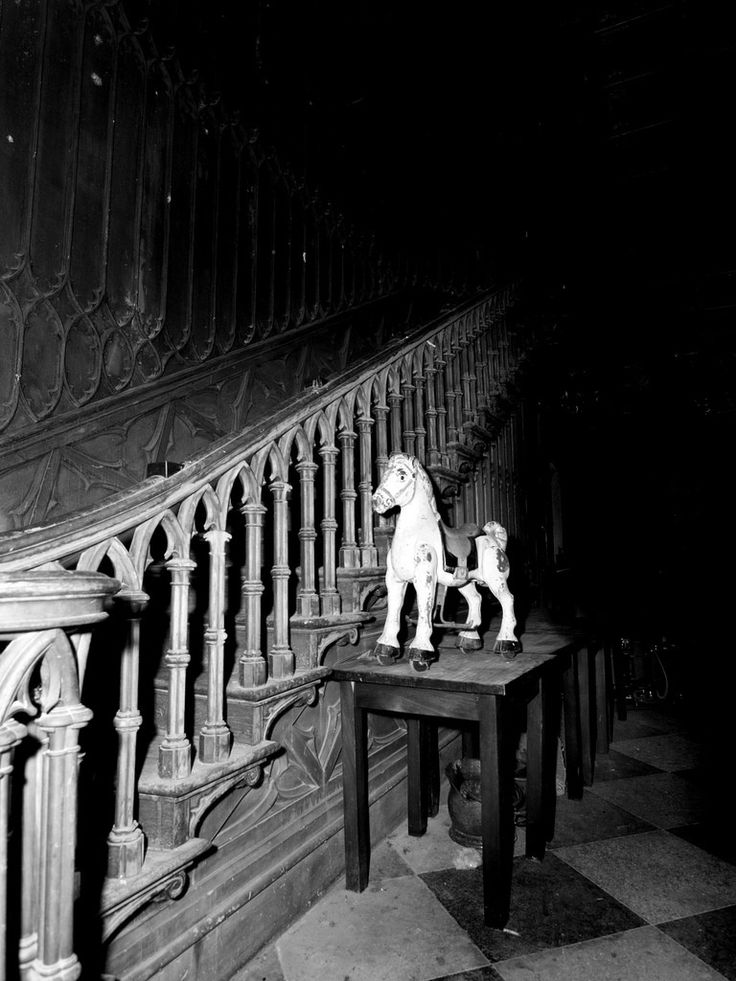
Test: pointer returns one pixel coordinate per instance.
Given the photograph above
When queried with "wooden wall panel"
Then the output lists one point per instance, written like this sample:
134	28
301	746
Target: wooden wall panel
90	217
124	241
144	233
22	35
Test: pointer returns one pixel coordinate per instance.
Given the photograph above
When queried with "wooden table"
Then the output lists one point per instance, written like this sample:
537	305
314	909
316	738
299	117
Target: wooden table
477	687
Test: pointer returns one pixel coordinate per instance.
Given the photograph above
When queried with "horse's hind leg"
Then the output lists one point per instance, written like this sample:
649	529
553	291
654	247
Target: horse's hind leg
387	648
421	652
469	638
496	573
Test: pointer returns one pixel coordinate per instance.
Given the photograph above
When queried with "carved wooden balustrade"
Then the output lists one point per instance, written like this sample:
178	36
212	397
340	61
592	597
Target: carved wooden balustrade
240	575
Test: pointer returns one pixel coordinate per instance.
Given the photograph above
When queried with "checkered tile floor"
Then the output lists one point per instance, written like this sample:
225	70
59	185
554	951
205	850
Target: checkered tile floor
639	884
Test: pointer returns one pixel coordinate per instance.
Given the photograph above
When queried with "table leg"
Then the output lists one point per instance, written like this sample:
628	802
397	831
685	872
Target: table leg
355	789
543	726
416	782
573	762
586	715
497	811
431	764
602	698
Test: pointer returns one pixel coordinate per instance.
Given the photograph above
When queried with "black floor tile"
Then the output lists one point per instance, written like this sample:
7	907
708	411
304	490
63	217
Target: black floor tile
480	974
592	818
711	936
615	765
551	905
713	837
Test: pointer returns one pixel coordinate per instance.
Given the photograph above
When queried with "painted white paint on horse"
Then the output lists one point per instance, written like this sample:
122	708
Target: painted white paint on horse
417	556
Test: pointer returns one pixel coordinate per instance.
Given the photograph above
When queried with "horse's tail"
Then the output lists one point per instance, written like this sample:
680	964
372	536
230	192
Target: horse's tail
498	533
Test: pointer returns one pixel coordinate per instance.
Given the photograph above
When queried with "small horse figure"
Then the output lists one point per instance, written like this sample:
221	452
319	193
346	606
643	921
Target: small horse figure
417	555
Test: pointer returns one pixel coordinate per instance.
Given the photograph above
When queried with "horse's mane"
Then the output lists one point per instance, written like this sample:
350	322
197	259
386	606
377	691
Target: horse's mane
426	485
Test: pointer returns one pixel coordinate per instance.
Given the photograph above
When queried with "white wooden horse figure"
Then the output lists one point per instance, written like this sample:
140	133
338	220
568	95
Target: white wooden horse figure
419	554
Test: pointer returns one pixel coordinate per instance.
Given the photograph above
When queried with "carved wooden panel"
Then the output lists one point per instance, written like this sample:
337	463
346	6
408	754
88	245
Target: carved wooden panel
142	230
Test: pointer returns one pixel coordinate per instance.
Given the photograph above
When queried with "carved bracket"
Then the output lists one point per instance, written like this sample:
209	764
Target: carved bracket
312	636
165	876
172	810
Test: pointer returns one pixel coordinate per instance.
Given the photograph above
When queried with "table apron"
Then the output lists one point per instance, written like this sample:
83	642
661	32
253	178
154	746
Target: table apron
409	701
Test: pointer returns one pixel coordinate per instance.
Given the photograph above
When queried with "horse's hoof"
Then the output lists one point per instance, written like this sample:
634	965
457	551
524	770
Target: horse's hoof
385	654
421	660
509	648
470	643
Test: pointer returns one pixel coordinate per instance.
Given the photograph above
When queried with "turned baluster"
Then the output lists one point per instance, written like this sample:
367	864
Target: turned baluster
513	464
457	374
330	598
451	395
407	416
506	437
487	480
125	841
503	502
478	362
214	736
175	752
349	553
441	406
467	498
430	415
368	551
394	402
467	379
307	596
384	525
281	656
420	430
478	368
251	664
496	511
11	734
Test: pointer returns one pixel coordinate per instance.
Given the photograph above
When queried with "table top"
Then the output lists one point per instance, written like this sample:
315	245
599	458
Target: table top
484	672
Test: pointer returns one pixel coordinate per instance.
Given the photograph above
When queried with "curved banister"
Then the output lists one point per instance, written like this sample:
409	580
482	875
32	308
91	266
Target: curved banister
122	512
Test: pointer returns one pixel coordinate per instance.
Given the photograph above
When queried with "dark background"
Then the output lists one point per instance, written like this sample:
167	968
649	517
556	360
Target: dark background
584	148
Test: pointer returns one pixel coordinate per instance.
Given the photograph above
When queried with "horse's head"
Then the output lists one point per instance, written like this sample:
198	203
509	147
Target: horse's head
403	474
397	487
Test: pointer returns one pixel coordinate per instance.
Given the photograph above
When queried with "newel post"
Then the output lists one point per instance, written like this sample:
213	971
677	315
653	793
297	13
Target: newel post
38	612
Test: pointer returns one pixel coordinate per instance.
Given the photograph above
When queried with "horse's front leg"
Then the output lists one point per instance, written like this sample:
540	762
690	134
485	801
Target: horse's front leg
469	638
387	648
422	653
495	574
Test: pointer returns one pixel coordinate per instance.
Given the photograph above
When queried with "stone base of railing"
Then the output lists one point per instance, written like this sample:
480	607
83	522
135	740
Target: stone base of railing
172	810
311	637
357	585
252	711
